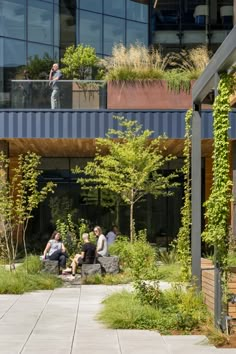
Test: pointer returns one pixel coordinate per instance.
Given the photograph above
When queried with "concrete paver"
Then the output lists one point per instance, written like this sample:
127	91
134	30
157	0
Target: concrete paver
64	321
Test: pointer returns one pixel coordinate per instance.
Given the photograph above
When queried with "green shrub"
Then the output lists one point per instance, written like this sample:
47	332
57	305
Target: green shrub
139	257
174	309
148	293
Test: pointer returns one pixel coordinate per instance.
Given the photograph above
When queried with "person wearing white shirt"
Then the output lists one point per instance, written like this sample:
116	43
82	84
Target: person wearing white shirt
102	248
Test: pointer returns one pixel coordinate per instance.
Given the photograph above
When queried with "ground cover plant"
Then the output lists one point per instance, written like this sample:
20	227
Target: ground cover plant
27	277
166	311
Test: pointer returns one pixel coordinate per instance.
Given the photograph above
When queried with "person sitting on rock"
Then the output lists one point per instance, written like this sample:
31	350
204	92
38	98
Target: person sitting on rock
102	248
86	256
55	250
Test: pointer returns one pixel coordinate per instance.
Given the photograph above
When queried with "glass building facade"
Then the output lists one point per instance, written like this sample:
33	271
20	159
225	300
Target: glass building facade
179	24
36	27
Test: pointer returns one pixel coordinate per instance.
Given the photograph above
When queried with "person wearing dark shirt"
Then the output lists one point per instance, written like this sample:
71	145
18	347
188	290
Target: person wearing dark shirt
87	254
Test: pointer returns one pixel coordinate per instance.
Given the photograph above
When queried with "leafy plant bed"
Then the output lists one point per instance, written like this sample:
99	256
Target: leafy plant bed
178	313
174	311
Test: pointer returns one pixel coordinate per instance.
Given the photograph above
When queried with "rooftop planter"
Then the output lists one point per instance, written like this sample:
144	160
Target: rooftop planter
146	95
142	79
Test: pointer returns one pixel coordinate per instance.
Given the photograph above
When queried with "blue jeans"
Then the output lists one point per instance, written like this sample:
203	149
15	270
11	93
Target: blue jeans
60	257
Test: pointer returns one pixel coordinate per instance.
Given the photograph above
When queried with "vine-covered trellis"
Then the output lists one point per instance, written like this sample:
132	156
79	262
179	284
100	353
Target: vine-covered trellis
217	213
183	240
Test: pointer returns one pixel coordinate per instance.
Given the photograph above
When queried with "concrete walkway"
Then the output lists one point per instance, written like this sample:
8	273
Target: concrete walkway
63	322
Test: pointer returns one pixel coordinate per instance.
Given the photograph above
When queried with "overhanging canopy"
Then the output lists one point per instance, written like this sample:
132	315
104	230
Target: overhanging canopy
223	60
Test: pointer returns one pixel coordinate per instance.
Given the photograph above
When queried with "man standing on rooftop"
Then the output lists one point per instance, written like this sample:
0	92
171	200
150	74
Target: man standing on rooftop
55	75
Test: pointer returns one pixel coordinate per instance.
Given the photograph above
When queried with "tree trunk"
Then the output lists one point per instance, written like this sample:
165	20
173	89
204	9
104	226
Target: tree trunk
117	212
131	217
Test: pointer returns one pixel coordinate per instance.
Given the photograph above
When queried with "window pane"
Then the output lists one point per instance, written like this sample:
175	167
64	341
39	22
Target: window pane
90	30
40	50
136	11
114	7
67	26
14	53
114	32
137	32
12	18
56	25
56	54
93	5
1	74
40	22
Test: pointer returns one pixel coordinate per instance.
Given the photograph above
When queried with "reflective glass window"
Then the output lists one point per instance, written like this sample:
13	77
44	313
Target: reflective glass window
40	22
92	5
40	50
14	53
114	33
114	7
56	18
137	32
67	26
12	18
1	73
90	30
1	52
137	11
56	54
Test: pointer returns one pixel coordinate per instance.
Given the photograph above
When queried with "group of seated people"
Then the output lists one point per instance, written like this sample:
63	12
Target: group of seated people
56	251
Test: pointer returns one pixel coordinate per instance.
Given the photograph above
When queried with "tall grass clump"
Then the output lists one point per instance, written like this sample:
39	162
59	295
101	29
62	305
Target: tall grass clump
27	277
192	61
185	66
135	63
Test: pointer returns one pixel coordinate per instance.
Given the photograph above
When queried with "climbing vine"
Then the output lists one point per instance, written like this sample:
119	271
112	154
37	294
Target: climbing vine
216	232
183	239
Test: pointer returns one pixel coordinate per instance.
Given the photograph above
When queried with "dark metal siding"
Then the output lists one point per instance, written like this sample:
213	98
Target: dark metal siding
92	124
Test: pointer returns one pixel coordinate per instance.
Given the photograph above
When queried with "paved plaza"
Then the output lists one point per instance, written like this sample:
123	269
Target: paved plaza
63	321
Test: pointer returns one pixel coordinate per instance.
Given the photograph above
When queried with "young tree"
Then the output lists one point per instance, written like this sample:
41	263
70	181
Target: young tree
6	212
129	165
18	198
78	61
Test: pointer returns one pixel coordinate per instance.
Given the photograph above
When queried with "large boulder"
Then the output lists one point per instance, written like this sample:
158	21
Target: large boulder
51	267
90	269
110	265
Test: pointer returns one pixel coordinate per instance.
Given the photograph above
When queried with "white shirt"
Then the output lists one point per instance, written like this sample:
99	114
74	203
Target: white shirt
102	246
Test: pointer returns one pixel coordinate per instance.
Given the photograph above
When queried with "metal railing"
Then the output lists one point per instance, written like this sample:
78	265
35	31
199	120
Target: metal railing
61	94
